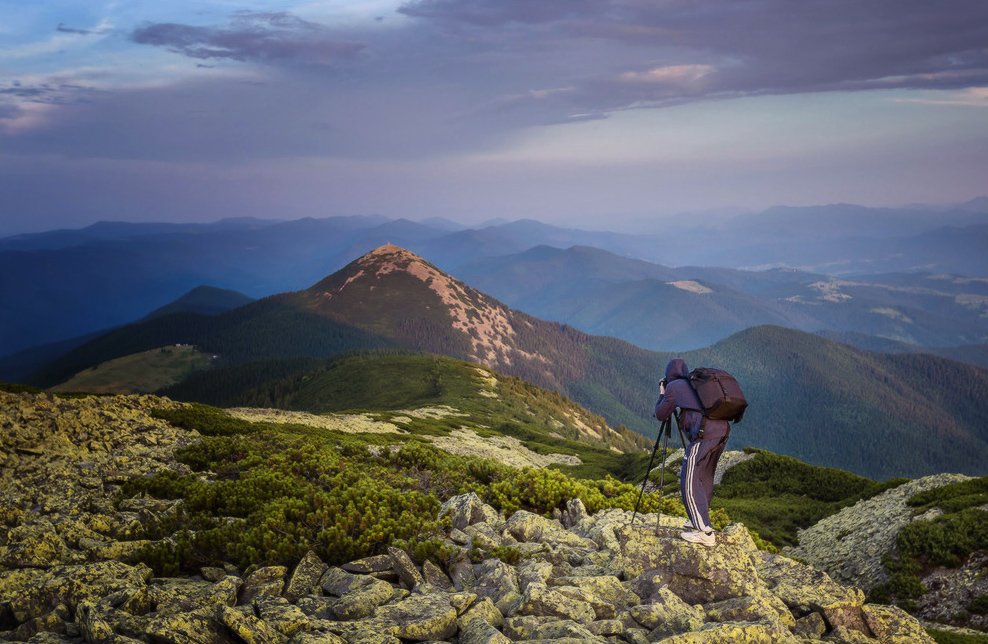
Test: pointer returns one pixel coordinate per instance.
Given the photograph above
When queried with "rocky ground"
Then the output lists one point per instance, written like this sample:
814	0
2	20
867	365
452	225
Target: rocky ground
575	578
849	545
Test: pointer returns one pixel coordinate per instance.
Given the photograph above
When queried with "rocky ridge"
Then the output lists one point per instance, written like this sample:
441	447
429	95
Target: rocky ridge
572	578
850	544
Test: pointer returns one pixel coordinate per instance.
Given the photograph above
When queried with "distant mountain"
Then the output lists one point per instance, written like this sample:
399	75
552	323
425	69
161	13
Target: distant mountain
206	300
663	308
973	354
827	403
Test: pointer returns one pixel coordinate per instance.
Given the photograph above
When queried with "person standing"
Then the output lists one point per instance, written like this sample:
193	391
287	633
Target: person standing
707	440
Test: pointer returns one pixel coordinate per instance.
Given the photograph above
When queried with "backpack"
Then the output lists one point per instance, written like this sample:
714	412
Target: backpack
719	394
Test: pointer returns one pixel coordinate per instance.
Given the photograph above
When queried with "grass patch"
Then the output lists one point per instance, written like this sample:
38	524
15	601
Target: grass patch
142	372
951	637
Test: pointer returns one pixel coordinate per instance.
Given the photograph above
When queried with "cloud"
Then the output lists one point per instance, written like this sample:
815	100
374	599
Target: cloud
82	32
263	37
712	49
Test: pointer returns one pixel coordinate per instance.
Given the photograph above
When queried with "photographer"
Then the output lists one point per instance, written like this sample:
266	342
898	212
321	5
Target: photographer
707	439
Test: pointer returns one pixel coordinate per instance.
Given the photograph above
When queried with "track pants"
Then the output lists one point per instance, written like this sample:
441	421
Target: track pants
696	479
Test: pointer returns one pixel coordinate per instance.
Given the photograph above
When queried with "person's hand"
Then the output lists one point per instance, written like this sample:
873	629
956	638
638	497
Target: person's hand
662	387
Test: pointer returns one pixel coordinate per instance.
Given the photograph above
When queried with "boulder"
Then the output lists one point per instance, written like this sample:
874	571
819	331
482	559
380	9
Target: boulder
533	571
367	565
435	576
761	607
169	596
194	627
362	597
695	573
478	631
467	509
733	633
281	615
667	615
810	625
305	578
804	589
36	545
402	564
540	600
495	579
484	610
266	581
607	594
892	625
248	628
421	617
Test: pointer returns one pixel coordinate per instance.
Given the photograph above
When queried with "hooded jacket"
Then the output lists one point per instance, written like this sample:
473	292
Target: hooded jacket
679	393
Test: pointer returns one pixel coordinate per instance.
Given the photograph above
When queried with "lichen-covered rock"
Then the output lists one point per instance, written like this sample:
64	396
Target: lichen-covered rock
194	627
495	579
484	610
478	631
462	601
269	581
523	627
467	509
810	625
281	615
421	617
36	545
761	607
804	589
533	571
541	600
527	527
607	594
177	595
359	594
667	614
734	633
435	576
367	565
248	628
563	629
695	573
317	637
93	625
305	578
408	573
892	625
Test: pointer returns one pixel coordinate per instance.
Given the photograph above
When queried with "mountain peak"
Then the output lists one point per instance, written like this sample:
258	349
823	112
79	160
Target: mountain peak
393	291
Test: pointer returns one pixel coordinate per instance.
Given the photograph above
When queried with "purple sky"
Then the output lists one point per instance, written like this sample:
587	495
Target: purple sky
575	112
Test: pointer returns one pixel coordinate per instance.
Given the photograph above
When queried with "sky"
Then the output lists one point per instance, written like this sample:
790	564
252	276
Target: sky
591	113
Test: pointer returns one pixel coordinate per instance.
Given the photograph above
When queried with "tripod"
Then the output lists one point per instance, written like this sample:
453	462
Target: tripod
665	430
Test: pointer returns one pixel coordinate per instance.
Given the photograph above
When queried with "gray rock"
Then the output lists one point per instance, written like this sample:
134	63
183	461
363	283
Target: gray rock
269	580
667	615
281	615
495	579
533	571
435	576
408	573
607	627
484	610
421	617
575	514
811	625
541	600
305	578
696	573
248	628
377	563
467	509
480	632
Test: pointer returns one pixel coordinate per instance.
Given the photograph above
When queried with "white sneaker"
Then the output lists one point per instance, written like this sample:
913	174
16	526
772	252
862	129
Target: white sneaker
703	538
689	525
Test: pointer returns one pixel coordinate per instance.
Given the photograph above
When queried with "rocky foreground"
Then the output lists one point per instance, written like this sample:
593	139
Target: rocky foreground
575	578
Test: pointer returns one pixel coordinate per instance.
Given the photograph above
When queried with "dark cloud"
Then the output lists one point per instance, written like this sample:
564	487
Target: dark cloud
687	50
82	32
265	37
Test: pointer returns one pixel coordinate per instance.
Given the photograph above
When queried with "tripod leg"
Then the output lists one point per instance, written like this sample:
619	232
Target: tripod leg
662	480
647	472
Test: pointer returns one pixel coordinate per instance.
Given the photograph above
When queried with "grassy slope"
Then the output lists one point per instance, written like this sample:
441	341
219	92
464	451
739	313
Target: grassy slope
493	404
140	372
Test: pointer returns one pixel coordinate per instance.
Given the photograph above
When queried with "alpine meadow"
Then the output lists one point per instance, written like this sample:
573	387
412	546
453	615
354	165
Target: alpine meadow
484	321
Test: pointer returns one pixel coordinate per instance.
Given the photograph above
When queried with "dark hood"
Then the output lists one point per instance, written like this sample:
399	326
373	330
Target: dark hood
676	369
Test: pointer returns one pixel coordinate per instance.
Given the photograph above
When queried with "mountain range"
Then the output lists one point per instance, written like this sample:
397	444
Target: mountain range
827	403
112	273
